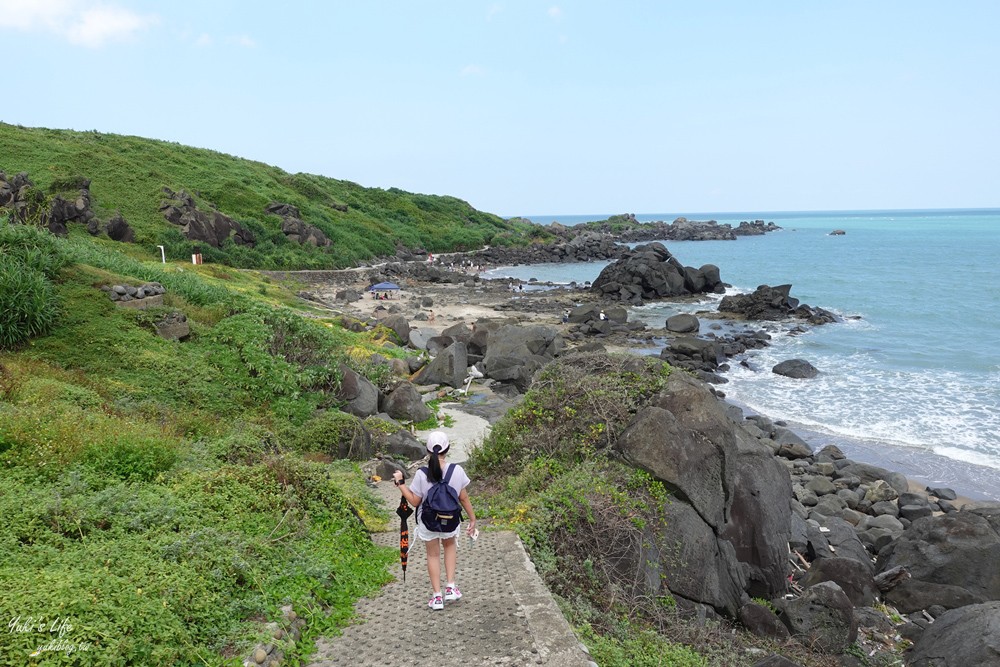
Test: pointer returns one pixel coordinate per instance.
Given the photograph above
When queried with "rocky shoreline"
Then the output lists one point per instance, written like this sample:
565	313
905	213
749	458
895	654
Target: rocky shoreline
824	538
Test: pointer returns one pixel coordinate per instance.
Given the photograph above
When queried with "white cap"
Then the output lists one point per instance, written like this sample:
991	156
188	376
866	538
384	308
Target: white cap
437	439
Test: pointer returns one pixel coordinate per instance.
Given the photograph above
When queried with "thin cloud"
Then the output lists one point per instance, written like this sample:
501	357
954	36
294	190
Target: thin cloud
94	27
242	40
494	9
80	22
472	70
555	12
204	39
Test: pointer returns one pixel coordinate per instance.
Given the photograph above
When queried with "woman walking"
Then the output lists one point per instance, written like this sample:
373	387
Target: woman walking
438	471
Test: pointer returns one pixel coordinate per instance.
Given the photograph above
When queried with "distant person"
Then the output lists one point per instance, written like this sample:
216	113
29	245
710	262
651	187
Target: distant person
565	317
603	316
439	485
430	317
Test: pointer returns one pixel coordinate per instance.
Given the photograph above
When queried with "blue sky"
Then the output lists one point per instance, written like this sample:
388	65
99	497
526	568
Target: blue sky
537	108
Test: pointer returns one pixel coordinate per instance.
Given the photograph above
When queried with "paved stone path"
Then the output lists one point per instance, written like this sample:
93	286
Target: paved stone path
506	615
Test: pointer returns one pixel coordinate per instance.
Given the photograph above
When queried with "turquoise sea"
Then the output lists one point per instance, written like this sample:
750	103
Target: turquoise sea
911	378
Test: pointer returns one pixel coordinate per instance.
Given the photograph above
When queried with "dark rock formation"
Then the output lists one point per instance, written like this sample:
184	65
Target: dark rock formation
399	325
360	396
683	323
514	353
960	638
822	619
733	492
209	227
795	368
449	367
651	272
294	228
681	229
404	402
118	229
853	577
773	304
400	443
585	246
762	622
951	558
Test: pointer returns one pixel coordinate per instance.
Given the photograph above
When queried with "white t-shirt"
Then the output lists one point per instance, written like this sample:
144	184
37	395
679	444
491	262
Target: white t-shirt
421	485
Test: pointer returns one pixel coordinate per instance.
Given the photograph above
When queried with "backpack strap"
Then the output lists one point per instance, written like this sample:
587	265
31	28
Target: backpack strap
447	475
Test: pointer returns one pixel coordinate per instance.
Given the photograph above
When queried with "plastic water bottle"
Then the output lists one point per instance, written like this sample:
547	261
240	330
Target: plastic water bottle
473	537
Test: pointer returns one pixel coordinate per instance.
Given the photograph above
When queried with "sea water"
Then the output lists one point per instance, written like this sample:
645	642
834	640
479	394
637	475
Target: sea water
910	378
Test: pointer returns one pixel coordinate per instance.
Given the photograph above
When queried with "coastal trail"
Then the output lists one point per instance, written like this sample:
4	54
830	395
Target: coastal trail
506	615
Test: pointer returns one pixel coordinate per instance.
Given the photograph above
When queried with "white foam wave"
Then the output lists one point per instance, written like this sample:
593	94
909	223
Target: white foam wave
976	458
855	396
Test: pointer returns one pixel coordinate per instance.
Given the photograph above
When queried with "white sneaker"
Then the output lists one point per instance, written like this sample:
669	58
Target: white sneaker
452	593
436	602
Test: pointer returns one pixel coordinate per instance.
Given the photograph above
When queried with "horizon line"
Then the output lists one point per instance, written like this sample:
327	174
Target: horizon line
750	212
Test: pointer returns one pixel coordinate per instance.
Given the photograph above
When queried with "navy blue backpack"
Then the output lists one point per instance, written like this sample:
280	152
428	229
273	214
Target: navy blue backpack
440	510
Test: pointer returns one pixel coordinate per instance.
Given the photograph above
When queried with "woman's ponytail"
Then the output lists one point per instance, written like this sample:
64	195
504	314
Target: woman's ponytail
434	473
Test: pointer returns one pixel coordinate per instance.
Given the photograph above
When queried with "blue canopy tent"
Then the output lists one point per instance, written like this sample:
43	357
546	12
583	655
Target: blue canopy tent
382	290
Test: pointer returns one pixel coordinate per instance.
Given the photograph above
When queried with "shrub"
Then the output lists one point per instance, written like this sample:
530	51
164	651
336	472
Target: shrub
335	433
28	304
577	405
29	258
246	444
131	459
33	247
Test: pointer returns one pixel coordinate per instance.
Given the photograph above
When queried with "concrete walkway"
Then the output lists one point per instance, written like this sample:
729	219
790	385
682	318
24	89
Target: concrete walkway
506	615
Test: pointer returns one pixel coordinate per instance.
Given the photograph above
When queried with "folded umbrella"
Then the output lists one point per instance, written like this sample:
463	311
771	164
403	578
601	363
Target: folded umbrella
404	511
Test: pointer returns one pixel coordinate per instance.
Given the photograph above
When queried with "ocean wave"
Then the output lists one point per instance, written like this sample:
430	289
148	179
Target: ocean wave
855	396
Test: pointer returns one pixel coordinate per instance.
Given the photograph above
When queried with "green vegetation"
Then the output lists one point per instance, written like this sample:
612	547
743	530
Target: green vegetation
29	259
163	498
128	174
586	517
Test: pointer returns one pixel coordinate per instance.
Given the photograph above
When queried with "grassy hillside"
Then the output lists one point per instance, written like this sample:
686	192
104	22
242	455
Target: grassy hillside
161	500
128	174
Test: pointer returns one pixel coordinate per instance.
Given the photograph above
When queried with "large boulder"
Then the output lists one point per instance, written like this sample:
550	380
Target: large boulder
405	403
514	353
211	227
459	332
401	443
400	326
730	480
822	618
294	228
693	468
118	229
960	638
773	304
449	367
683	323
651	272
853	577
683	554
764	303
795	368
951	553
360	396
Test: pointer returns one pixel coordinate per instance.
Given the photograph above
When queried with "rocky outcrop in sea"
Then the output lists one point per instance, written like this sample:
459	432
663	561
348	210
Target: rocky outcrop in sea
652	272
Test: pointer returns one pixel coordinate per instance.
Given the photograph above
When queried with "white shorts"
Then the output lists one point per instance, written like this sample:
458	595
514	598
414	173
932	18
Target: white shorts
428	535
